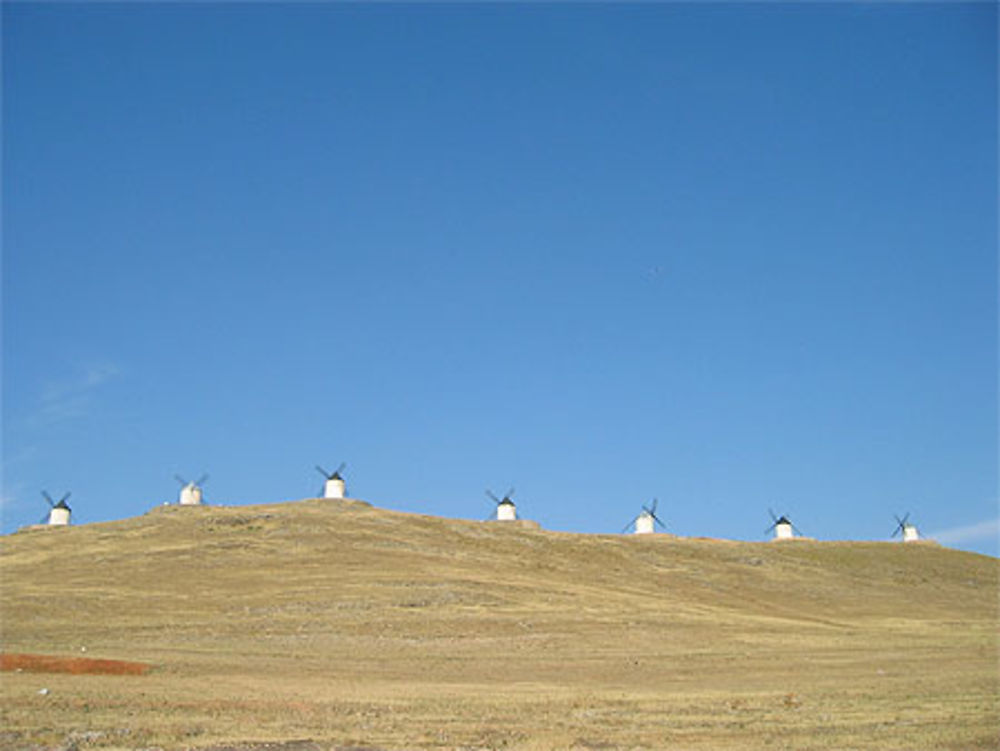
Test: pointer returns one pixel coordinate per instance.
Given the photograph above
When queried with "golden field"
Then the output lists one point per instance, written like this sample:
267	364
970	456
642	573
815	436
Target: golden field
349	626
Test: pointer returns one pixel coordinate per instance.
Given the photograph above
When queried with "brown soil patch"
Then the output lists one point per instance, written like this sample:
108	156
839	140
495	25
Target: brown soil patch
74	665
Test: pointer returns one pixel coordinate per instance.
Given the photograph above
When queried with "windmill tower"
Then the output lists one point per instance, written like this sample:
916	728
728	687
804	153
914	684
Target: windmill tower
190	491
783	527
506	511
645	523
334	485
59	512
910	533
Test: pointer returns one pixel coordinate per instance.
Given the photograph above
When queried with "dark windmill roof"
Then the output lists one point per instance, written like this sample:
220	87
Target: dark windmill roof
62	504
782	520
506	502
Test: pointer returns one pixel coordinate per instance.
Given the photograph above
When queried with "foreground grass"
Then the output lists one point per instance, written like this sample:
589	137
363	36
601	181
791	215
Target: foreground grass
355	626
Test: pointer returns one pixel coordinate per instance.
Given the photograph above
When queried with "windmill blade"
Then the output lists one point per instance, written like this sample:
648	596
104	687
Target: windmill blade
44	519
652	510
48	498
773	517
201	480
493	497
181	480
65	498
797	530
771	528
657	520
630	524
323	472
508	494
897	530
339	469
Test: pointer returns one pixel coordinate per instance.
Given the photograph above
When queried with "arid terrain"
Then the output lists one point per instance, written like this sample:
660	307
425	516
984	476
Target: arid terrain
333	624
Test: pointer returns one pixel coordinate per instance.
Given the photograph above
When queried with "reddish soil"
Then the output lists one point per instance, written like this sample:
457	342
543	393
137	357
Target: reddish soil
75	665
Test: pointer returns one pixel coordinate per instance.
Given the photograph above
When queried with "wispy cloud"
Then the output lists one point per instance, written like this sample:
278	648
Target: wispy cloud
71	398
13	460
11	499
969	532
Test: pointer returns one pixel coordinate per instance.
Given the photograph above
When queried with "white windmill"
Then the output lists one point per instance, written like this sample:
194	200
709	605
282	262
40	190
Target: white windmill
59	512
645	523
334	486
506	511
190	491
783	527
910	533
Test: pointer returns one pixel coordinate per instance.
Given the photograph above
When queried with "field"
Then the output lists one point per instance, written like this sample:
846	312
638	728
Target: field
350	626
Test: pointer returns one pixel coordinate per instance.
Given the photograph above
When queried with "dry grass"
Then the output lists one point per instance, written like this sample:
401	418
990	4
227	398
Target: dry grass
349	625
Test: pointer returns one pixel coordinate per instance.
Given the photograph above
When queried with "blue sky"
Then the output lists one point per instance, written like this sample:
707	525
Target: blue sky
729	256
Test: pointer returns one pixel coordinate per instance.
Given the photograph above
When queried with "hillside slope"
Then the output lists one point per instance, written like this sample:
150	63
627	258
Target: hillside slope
347	624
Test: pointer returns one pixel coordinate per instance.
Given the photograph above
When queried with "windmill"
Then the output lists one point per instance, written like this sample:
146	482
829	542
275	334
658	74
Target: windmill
910	533
783	527
59	512
190	491
334	486
645	523
506	511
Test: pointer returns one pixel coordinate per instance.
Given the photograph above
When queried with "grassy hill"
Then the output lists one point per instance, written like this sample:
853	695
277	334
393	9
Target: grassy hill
353	626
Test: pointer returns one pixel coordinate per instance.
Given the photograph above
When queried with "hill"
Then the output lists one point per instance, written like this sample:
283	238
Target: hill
347	625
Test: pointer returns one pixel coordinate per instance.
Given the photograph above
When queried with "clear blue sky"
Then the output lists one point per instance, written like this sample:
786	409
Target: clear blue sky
729	256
